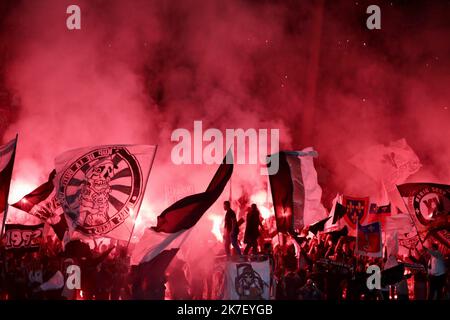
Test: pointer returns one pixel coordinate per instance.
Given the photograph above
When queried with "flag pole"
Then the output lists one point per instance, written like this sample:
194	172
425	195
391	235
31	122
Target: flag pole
4	220
231	190
139	206
6	202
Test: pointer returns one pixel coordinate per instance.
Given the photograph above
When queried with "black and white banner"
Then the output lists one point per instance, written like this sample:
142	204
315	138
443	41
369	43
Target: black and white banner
23	237
241	280
296	193
101	188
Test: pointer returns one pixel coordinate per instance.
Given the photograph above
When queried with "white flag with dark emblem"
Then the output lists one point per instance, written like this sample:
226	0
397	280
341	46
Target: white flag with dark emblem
101	188
391	164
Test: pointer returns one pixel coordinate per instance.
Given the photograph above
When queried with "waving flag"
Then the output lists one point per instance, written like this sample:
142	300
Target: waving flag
429	207
339	212
42	203
153	273
178	218
318	226
35	197
391	164
375	209
368	240
356	211
7	155
101	188
392	244
296	193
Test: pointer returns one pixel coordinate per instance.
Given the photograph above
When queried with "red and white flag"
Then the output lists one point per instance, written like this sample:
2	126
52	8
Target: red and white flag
7	156
296	193
429	207
101	188
369	240
42	204
175	222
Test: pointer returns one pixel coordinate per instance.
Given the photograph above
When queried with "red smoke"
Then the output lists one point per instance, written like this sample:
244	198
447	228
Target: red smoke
139	69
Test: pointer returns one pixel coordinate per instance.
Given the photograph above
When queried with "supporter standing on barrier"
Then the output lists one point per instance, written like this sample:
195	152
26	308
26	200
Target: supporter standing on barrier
231	230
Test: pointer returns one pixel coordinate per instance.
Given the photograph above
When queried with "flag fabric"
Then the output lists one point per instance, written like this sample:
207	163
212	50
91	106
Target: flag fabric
400	229
19	237
375	209
31	200
175	222
392	244
339	212
443	236
101	188
356	211
335	235
60	228
7	156
318	226
429	208
296	193
43	204
153	273
368	240
379	213
401	222
347	211
247	280
391	164
185	213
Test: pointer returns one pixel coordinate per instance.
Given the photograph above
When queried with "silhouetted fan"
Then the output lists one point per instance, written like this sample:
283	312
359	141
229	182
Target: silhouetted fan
339	233
77	249
393	275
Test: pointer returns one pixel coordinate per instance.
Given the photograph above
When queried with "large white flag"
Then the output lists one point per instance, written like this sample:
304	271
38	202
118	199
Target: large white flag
391	164
101	188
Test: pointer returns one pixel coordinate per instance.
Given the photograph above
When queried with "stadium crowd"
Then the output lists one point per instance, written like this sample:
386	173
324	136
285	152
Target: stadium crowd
319	267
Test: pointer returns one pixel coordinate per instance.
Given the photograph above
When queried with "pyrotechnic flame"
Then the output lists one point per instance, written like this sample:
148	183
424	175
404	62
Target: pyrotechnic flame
265	212
261	200
145	219
216	226
19	188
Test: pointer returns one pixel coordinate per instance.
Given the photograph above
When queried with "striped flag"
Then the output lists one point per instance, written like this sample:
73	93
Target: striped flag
175	222
42	204
429	207
296	193
7	156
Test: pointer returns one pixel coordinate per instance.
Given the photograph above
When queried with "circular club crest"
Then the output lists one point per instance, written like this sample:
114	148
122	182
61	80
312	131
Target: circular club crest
100	189
429	204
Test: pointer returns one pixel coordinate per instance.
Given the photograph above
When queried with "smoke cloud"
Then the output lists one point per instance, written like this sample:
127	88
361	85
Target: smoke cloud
137	70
